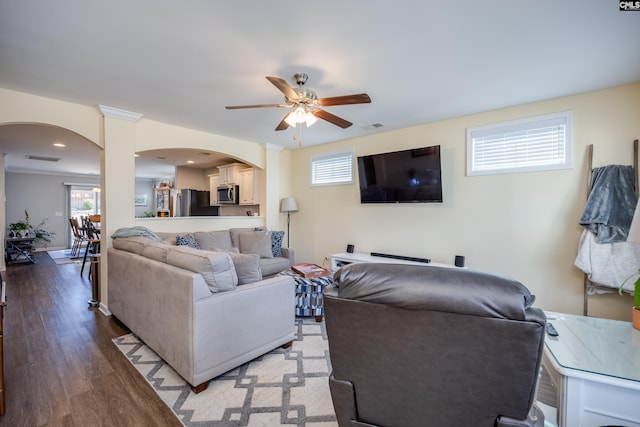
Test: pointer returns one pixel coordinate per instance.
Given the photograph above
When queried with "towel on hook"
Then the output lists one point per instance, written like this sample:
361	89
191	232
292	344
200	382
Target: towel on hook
611	203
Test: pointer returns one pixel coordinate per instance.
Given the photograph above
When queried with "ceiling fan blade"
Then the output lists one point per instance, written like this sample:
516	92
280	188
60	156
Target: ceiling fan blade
237	107
283	125
331	118
284	88
361	98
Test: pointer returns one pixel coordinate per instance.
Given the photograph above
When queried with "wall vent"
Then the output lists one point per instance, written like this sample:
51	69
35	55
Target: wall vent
42	158
373	126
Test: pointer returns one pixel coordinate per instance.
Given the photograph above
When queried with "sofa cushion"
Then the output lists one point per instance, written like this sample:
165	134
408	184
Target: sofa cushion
168	238
216	267
187	240
235	235
276	243
256	242
135	244
157	251
247	267
271	266
210	240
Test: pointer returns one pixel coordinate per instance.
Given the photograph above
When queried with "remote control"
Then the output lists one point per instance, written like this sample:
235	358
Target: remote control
551	330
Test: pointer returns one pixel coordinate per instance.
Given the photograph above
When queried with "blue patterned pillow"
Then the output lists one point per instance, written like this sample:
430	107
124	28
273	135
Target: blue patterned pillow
276	243
187	240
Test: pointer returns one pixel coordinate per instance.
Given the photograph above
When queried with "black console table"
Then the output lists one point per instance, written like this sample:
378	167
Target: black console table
18	250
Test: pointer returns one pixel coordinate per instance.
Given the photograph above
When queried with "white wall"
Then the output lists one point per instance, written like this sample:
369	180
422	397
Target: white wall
524	226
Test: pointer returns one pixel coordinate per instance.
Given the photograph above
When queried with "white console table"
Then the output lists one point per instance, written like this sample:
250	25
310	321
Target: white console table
595	366
344	258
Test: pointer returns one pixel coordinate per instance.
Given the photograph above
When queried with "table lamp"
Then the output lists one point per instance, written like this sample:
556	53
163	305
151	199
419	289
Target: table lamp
288	205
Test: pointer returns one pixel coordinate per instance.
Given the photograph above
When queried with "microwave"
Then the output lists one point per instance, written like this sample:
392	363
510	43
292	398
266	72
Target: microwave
228	194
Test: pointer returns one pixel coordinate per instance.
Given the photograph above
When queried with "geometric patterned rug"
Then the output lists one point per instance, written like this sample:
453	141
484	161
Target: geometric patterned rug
285	387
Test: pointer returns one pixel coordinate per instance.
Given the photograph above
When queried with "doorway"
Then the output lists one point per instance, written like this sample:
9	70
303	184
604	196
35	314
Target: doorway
83	200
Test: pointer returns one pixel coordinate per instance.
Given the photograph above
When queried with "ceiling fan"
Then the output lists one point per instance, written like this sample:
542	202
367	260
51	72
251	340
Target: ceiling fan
304	104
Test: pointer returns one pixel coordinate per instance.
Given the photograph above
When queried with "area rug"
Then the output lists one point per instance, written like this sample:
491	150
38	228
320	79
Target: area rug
62	256
282	388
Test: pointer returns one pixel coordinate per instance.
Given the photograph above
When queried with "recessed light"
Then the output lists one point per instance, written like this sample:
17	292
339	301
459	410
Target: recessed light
59	144
190	161
136	155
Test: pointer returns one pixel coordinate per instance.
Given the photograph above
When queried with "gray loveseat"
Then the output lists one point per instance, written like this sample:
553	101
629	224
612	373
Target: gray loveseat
203	311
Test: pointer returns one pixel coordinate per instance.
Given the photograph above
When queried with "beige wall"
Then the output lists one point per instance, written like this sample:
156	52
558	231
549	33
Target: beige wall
524	226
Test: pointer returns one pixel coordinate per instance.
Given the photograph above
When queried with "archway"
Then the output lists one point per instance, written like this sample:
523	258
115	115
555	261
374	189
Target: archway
37	159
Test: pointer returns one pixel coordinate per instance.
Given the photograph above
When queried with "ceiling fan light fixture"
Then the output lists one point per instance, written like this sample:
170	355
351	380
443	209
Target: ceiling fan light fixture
300	115
310	119
291	118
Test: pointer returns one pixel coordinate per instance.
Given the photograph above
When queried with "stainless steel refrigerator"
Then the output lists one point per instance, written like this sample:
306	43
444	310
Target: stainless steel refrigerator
196	203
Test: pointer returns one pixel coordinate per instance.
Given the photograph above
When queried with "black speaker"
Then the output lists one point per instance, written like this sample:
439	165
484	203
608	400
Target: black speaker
350	249
459	262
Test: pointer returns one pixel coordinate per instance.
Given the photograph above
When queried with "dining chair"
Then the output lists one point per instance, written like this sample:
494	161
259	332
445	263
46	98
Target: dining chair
78	237
93	241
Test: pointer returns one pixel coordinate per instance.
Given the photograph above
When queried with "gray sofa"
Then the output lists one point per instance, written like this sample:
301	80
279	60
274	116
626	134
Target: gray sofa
243	240
431	346
203	311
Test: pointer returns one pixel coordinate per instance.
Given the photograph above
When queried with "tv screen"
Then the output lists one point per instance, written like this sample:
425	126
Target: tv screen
408	176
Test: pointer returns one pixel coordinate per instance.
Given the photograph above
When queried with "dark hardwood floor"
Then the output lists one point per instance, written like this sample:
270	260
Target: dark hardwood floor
61	367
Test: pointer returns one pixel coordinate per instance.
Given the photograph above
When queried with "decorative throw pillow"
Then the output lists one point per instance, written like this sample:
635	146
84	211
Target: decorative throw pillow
247	267
276	243
256	242
187	240
210	240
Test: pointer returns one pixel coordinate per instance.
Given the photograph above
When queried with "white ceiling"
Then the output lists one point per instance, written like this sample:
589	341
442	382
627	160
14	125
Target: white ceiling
420	61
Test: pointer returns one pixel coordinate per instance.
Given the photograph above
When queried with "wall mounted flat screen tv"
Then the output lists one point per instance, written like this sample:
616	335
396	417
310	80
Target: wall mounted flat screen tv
408	176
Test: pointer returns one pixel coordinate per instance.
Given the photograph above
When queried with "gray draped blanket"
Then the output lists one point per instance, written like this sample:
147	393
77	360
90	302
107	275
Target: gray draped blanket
611	203
135	231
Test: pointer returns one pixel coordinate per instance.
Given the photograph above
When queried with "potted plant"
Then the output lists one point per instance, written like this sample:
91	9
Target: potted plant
635	313
24	228
18	229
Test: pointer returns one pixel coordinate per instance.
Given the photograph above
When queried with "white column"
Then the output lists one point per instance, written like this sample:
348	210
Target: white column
117	178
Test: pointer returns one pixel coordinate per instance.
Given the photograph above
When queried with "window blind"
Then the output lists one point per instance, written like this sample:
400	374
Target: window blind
540	143
332	168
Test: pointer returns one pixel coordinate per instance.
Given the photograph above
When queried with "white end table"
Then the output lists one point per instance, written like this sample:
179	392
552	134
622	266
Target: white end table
595	366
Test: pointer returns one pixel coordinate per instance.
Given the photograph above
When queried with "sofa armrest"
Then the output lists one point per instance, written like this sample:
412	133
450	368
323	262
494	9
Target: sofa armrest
289	253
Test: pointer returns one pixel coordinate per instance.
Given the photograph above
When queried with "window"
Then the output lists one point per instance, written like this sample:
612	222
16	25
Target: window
332	168
532	144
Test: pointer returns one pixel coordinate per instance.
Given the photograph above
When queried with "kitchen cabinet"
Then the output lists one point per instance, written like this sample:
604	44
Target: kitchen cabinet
247	186
214	181
229	174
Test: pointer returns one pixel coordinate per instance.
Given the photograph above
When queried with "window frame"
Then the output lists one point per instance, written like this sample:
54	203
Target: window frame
335	155
564	118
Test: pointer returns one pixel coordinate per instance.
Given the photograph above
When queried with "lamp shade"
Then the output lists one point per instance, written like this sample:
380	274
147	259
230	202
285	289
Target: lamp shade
634	230
288	204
